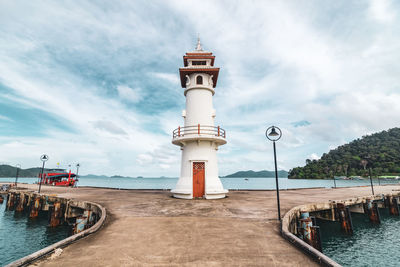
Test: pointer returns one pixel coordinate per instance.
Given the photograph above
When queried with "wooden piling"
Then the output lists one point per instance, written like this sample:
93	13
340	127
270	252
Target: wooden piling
11	201
35	207
28	200
55	214
371	209
344	215
21	202
393	206
80	224
314	220
305	224
316	238
309	232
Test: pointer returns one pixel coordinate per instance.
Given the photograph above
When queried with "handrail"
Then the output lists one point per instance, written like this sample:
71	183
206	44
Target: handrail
199	130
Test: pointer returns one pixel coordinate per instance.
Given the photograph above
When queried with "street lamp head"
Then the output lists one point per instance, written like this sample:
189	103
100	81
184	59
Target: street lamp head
44	157
18	166
273	133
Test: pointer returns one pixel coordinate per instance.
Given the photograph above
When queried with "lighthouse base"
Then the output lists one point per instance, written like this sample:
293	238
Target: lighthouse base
213	189
216	195
184	195
199	172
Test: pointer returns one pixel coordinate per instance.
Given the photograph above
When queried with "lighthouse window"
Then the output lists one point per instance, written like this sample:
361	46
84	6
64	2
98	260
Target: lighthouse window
199	79
198	63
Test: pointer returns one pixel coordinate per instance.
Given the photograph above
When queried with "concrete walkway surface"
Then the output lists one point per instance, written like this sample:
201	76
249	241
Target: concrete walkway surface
150	228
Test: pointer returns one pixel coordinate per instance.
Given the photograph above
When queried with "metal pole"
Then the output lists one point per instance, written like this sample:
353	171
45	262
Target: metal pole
370	178
77	171
277	184
16	177
334	180
41	177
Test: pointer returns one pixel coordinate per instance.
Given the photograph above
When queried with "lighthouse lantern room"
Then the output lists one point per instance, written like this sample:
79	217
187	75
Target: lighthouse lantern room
199	139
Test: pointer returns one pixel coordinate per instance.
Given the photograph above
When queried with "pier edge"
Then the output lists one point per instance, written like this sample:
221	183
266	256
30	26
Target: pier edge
288	224
62	243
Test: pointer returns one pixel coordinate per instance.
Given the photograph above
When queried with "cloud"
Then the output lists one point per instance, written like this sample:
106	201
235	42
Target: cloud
164	166
160	155
4	118
103	80
143	159
301	123
381	10
108	126
169	77
129	94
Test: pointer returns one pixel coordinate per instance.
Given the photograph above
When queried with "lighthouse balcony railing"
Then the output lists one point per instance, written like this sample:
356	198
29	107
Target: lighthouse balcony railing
199	130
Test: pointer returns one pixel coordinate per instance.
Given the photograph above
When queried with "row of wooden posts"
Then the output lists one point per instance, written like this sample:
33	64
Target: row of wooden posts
58	210
370	208
310	232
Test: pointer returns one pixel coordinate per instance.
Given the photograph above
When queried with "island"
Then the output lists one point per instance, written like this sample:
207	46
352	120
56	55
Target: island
11	171
379	152
257	174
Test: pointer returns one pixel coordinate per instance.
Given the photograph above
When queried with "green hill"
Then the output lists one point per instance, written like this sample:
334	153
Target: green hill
10	171
260	174
381	150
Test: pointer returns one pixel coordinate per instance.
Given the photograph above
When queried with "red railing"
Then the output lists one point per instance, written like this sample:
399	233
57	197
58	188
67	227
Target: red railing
198	130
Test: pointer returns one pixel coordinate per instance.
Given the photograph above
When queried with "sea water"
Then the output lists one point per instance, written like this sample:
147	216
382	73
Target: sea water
229	183
370	244
21	236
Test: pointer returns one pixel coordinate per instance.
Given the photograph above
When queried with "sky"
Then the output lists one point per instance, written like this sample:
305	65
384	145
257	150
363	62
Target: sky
96	82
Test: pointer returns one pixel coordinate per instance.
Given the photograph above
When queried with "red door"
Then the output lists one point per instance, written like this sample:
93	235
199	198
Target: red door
198	179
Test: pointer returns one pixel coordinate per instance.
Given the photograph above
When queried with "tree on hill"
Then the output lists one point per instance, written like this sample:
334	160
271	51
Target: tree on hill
10	171
379	151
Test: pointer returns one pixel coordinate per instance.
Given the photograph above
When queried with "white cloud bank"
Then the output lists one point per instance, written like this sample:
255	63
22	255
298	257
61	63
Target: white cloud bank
129	94
111	76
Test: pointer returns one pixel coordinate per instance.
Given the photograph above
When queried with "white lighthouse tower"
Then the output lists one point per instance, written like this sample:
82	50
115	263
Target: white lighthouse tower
199	139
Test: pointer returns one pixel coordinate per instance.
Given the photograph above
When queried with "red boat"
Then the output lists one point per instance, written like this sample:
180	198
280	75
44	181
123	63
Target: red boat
59	177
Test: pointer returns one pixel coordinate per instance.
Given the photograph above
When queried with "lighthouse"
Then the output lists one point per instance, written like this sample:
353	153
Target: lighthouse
199	138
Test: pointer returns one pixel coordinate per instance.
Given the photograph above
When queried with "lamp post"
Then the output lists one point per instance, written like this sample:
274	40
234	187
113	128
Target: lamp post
43	158
77	169
334	173
370	178
16	175
274	136
364	164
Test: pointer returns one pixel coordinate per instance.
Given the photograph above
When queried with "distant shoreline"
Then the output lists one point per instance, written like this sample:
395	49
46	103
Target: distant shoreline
125	177
257	174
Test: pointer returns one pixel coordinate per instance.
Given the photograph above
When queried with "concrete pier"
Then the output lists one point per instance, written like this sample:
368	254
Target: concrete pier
149	227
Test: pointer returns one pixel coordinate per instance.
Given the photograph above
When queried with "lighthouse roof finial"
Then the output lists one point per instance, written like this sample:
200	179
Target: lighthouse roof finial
198	46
